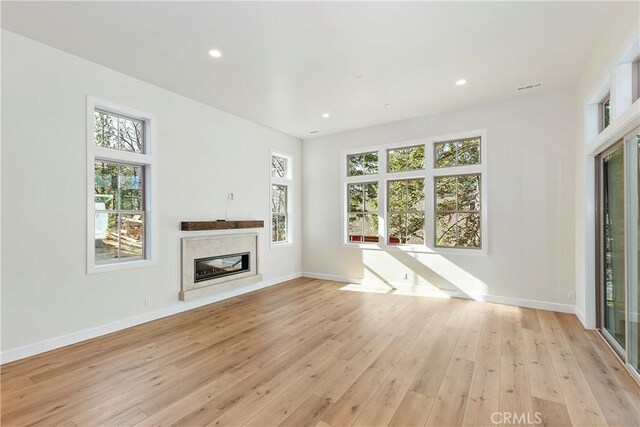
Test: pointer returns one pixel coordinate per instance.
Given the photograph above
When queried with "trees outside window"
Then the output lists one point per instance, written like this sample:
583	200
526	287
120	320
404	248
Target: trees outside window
419	195
119	164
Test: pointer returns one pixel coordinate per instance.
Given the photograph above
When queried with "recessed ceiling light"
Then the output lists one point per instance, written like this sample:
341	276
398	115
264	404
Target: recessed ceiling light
215	53
387	104
460	82
326	115
359	76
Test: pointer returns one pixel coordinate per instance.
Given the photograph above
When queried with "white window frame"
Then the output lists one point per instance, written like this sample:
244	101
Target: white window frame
428	173
287	181
146	159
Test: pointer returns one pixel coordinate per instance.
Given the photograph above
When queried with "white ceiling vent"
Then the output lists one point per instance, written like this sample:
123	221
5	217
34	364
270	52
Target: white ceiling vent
528	87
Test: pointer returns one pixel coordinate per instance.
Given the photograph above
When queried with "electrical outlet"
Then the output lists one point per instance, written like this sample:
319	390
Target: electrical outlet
405	276
571	294
229	196
147	301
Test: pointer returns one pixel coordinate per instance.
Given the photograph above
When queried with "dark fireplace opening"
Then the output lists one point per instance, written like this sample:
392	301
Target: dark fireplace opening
222	265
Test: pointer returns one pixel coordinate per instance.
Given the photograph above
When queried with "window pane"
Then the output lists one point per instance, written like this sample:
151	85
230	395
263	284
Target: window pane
415	194
456	196
469	152
397	194
356	197
468	193
105	130
281	224
118	186
106	237
130	135
406	211
130	186
279	167
405	159
445	193
415	228
445	154
274	228
371	228
468	230
356	227
371	197
458	153
396	228
362	164
131	235
279	198
117	132
446	229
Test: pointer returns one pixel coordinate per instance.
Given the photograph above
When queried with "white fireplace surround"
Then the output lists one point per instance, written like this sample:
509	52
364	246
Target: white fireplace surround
210	246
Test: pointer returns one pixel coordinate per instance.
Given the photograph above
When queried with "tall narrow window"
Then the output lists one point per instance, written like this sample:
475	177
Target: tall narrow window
120	180
281	182
279	213
362	212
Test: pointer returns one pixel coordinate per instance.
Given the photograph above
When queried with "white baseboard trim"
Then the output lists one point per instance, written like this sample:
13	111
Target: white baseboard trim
13	354
497	299
580	317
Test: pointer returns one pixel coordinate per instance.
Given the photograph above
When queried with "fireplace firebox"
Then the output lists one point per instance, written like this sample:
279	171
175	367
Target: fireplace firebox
219	266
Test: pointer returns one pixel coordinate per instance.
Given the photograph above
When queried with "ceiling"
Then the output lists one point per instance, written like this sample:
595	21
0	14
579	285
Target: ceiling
284	64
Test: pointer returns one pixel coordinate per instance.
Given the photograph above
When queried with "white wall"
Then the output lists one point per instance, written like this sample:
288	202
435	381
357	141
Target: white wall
203	154
621	29
531	211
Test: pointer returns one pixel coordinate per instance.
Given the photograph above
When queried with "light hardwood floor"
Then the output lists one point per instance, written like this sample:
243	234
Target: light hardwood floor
307	352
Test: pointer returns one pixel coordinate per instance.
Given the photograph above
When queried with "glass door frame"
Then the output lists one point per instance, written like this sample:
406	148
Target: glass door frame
600	252
630	149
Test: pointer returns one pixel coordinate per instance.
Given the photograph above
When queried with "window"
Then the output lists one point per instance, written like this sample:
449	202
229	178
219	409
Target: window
405	159
281	183
419	196
119	198
362	212
605	112
405	211
362	164
458	211
457	153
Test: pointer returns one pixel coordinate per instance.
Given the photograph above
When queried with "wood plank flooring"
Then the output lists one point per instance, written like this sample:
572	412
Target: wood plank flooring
308	352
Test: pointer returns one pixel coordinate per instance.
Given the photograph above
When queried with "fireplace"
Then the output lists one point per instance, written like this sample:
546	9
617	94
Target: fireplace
219	266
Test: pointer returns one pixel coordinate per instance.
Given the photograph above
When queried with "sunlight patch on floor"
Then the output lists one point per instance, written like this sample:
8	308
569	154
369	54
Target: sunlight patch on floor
374	289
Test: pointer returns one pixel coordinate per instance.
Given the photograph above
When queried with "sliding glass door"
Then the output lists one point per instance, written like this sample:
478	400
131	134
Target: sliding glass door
633	144
613	246
618	236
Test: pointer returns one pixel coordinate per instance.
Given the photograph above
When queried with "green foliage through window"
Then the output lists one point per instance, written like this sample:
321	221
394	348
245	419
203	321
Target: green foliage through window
462	152
362	164
119	210
458	211
405	211
405	159
118	132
